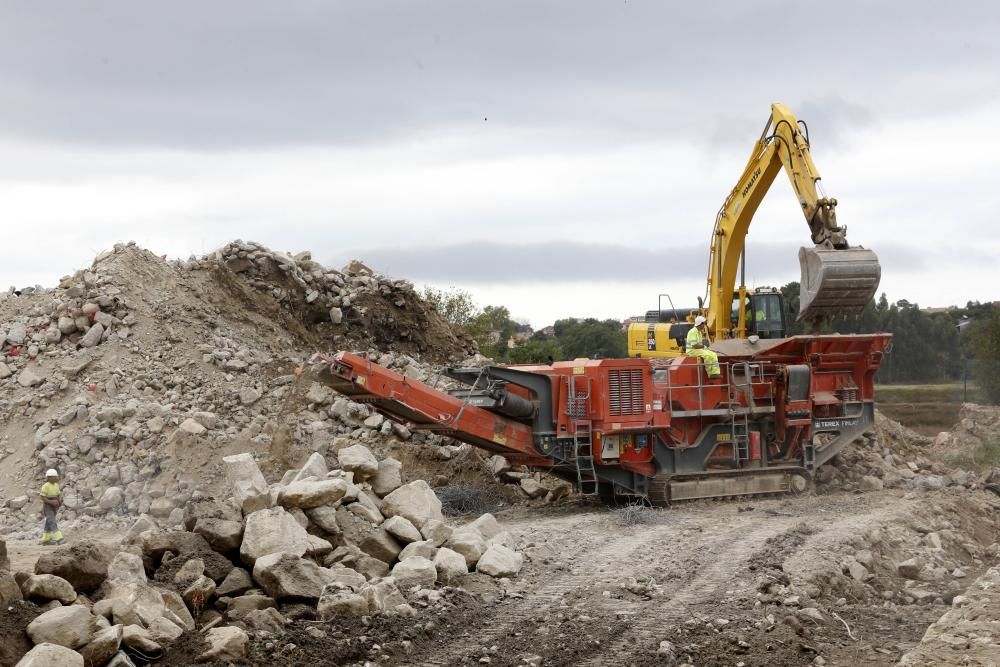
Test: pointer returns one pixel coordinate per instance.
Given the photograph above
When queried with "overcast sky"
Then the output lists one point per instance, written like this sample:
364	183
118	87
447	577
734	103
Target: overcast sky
560	158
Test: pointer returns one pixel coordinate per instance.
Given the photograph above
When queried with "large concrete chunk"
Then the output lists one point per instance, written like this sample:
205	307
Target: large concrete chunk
155	543
271	531
9	590
436	531
237	582
450	565
373	540
71	627
249	486
287	576
468	542
175	605
135	604
383	595
416	571
223	534
402	529
422	548
209	508
340	602
352	557
51	655
265	621
324	518
307	495
126	568
388	478
48	587
414	501
84	565
239	607
315	466
163	631
225	644
138	638
102	647
199	593
499	561
487	526
359	460
142	524
345	576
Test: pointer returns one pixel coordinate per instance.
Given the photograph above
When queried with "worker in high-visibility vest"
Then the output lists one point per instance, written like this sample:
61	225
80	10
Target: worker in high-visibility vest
696	345
51	496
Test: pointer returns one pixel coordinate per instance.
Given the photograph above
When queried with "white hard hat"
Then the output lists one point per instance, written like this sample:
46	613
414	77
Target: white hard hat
51	472
698	321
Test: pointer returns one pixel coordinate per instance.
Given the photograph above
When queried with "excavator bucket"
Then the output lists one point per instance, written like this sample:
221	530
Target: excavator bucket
836	282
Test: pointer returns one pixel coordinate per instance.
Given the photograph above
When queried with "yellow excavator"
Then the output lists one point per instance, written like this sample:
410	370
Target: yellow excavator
837	279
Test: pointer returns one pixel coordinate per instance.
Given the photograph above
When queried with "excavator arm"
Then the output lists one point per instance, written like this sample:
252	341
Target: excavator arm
837	279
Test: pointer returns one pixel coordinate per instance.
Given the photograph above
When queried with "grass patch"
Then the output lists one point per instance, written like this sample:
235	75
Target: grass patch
926	408
948	392
983	456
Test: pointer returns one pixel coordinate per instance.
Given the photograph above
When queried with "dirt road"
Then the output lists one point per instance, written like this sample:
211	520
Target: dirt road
599	593
709	583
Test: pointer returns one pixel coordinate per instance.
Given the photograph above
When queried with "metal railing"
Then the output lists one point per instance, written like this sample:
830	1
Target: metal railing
752	375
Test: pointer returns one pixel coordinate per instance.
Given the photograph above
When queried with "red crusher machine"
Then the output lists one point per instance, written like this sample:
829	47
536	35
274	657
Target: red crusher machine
652	428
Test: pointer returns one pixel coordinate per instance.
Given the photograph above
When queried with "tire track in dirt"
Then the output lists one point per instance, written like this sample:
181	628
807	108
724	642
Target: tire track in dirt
724	558
602	548
699	555
598	548
725	575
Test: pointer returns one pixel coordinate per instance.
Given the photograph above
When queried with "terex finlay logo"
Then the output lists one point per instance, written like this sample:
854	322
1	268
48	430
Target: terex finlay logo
833	424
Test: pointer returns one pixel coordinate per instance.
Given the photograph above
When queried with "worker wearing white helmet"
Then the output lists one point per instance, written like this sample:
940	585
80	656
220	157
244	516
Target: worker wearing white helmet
51	496
696	345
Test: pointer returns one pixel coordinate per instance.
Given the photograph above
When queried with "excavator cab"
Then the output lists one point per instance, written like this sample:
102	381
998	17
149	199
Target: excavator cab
767	313
764	314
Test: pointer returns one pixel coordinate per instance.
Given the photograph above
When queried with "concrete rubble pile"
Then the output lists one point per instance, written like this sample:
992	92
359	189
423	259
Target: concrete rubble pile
322	544
893	456
977	425
193	359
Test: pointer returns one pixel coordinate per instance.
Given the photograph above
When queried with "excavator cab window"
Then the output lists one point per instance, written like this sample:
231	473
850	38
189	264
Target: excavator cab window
766	317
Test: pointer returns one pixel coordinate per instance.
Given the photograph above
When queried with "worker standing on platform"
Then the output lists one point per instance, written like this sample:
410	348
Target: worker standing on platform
696	345
51	496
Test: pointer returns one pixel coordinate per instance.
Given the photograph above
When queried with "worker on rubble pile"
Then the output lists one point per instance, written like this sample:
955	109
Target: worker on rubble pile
51	496
696	346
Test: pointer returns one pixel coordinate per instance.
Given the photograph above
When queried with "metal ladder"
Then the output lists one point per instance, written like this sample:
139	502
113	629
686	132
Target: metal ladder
740	424
740	430
583	455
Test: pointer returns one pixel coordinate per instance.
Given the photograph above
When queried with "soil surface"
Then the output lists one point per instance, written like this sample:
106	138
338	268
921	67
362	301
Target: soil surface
596	592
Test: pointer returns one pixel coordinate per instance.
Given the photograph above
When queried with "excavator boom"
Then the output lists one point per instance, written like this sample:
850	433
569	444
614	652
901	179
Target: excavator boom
837	278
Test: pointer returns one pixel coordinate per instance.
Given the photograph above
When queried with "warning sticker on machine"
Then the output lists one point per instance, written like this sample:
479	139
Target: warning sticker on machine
839	422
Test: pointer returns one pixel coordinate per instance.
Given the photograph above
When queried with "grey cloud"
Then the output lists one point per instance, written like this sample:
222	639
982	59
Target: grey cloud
488	262
492	262
235	73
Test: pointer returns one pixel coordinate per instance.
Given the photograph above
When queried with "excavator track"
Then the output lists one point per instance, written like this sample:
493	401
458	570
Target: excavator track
664	489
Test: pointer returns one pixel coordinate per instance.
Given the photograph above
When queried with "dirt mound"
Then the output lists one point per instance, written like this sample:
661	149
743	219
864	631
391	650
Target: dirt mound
133	376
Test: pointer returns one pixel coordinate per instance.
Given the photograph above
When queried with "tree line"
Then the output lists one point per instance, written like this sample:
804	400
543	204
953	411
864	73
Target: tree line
927	346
